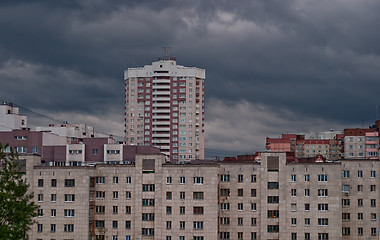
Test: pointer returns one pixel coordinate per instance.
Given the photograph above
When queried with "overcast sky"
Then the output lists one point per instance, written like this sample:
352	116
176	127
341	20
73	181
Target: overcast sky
271	66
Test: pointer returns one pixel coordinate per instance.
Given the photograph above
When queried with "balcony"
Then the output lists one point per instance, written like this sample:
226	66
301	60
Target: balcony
161	110
166	129
161	104
165	135
160	123
161	87
161	99
160	93
161	80
161	117
160	141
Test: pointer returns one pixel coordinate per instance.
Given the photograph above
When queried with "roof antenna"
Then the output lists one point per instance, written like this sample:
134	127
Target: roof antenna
166	53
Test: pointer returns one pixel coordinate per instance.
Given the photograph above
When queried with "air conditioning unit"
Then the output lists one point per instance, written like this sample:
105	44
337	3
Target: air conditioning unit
347	193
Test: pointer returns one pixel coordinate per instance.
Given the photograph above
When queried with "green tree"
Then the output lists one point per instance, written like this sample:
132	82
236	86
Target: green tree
17	209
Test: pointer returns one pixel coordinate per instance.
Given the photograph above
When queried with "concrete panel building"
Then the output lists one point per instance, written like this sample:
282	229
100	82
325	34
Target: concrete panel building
164	107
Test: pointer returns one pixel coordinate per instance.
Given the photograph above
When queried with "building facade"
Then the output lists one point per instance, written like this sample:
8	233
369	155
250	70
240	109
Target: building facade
164	107
149	198
10	118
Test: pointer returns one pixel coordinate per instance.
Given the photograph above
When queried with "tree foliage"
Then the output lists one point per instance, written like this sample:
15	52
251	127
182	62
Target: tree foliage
17	208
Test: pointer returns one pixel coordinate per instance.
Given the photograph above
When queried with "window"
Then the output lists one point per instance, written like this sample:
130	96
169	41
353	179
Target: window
323	221
322	178
224	206
293	192
346	217
323	236
253	235
293	207
345	174
114	224
115	209
115	194
253	206
168	195
148	216
182	210
182	225
40	183
307	206
198	180
240	236
360	188
373	231
307	177
273	185
95	151
225	192
198	225
147	231
69	212
307	236
182	195
39	227
182	180
100	209
293	221
253	178
53	213
273	228
323	193
294	236
54	183
345	202
168	210
100	194
360	231
40	197
115	180
307	221
69	182
148	187
273	199
373	188
168	225
346	188
69	197
168	180
198	195
240	206
307	192
323	207
360	174
40	212
52	227
360	216
148	202
345	231
53	197
240	178
128	195
197	210
373	202
273	213
293	178
240	192
253	192
373	216
69	227
99	224
194	238
128	210
224	235
225	178
373	174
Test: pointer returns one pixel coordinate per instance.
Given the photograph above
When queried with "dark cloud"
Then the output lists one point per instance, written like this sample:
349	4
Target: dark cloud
310	62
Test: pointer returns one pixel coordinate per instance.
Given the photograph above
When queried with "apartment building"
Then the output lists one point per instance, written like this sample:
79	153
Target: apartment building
328	144
271	197
362	143
164	107
10	118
